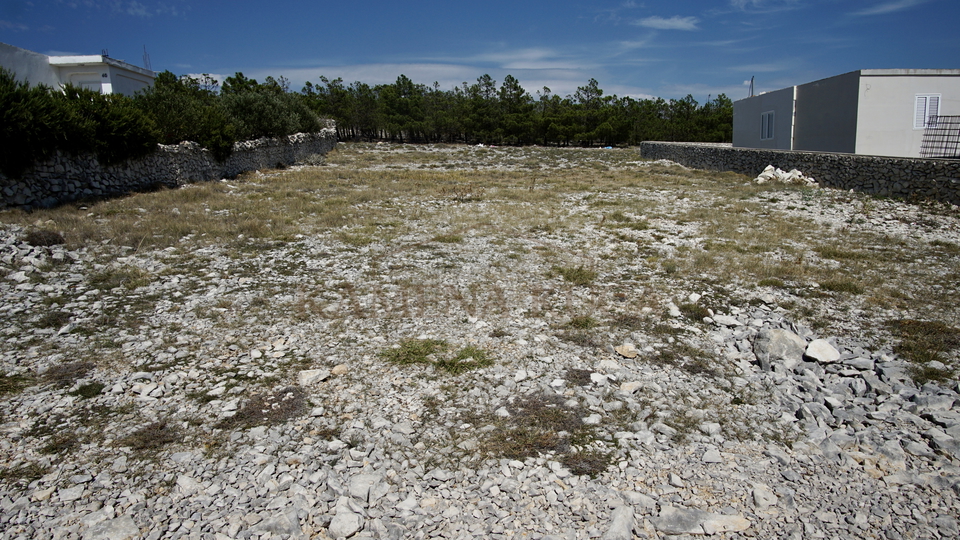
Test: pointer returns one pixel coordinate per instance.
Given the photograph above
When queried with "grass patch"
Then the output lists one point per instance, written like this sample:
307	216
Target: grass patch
14	384
467	359
428	351
694	312
926	345
22	475
771	282
578	276
414	351
841	285
448	238
578	377
129	277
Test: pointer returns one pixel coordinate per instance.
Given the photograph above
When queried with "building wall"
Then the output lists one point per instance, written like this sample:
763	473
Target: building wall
826	114
28	66
885	118
746	120
936	179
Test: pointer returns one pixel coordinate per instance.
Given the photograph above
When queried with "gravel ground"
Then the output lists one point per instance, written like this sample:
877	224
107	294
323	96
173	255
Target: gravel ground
535	343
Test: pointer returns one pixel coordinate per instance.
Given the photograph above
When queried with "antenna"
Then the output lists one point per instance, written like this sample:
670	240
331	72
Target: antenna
751	87
146	59
104	52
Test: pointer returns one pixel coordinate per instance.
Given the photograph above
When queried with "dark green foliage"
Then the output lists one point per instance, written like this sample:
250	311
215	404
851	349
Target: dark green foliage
420	351
13	384
35	122
483	113
185	109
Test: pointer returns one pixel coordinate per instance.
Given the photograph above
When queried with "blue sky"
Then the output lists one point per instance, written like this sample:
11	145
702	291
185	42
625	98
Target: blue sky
641	49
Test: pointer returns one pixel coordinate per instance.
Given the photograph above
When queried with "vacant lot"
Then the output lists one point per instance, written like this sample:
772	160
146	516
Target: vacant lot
403	310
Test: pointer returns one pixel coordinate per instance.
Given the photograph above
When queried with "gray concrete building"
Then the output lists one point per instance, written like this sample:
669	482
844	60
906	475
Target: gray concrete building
881	112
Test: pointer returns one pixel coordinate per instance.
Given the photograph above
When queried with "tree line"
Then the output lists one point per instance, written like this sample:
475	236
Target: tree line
484	112
36	121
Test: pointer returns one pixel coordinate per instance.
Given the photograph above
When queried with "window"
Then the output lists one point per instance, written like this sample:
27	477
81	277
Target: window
926	106
766	126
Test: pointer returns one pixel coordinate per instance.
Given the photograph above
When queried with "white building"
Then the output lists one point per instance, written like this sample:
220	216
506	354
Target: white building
94	72
881	112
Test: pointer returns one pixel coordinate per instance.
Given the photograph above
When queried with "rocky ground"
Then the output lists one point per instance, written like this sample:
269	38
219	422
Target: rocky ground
451	342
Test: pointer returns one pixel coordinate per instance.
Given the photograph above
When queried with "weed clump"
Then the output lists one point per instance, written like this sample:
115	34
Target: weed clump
271	409
587	462
537	424
584	322
693	311
448	238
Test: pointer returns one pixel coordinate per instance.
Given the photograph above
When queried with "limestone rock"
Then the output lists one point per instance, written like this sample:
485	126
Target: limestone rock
777	346
822	351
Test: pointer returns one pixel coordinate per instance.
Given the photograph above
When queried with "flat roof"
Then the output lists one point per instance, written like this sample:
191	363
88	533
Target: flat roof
911	72
96	59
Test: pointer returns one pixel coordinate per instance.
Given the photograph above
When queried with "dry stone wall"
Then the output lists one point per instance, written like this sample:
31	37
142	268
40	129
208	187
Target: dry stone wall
65	177
905	178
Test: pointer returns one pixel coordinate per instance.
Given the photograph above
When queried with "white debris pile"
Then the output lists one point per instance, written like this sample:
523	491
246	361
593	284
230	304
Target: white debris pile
773	174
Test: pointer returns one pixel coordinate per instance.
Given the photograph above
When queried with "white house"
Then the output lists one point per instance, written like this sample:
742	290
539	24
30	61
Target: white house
881	112
94	72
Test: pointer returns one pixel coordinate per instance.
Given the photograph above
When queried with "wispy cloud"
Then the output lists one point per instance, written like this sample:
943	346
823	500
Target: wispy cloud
889	7
765	6
673	23
16	27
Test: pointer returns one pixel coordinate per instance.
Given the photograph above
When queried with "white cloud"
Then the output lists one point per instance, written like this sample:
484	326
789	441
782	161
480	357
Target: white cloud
673	23
7	25
890	7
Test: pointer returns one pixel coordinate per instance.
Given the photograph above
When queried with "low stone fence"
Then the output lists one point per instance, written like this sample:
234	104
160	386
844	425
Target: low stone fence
906	178
65	177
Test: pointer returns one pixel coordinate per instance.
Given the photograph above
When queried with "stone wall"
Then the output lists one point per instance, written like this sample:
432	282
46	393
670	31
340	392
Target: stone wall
65	177
905	178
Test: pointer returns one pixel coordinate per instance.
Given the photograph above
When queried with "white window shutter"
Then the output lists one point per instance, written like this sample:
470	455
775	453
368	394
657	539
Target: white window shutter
920	115
933	108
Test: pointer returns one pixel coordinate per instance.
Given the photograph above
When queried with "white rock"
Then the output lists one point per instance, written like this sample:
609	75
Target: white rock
822	351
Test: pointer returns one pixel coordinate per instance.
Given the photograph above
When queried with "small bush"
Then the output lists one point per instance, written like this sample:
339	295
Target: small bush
53	319
68	374
152	437
43	238
88	391
583	322
448	238
693	312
